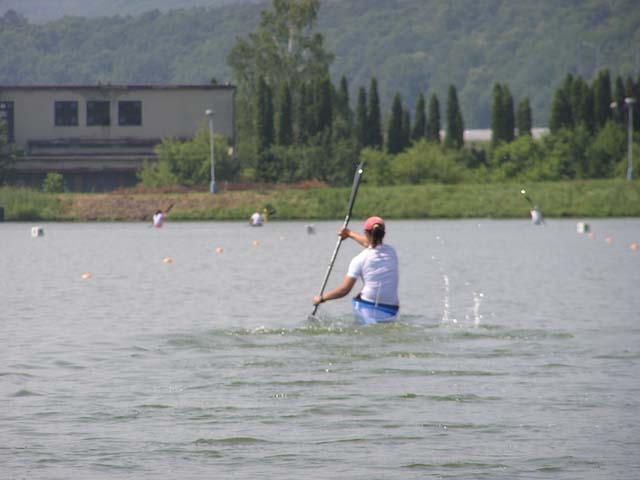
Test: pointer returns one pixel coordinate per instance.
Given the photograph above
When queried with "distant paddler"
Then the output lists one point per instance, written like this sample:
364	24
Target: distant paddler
159	217
256	219
377	267
535	213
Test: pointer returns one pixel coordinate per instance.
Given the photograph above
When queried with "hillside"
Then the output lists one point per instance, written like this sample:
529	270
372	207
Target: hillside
411	46
42	11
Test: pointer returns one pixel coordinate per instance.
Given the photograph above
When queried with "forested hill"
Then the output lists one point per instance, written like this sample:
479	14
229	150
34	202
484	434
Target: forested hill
410	46
41	11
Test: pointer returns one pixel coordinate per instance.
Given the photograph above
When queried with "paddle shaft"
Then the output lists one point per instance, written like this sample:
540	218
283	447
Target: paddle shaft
352	199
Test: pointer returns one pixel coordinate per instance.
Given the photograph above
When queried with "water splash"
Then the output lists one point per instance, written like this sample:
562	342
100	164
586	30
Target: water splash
445	312
477	300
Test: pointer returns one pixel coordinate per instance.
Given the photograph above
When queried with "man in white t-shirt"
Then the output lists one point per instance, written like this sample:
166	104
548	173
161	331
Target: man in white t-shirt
256	219
376	265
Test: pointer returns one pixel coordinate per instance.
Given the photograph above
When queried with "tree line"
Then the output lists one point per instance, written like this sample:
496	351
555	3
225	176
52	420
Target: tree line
294	124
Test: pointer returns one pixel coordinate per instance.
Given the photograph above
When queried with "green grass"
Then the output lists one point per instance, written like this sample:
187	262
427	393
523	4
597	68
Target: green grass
22	204
588	198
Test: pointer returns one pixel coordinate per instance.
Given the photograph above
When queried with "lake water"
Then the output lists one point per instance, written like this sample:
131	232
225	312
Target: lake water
517	354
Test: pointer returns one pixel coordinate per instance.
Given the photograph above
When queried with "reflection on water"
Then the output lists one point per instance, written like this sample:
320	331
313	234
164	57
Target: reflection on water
516	355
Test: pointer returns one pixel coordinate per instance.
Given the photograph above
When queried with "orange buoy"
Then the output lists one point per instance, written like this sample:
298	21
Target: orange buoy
634	247
86	276
219	250
609	240
591	235
167	260
256	243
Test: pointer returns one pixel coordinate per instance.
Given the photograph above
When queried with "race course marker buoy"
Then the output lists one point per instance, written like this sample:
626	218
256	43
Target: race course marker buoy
609	240
86	276
634	247
219	250
167	260
256	243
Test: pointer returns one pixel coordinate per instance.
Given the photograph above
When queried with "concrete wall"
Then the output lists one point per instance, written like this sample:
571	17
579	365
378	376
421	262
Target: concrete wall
167	111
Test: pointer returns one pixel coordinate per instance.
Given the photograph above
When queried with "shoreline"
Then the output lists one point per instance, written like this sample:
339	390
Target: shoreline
570	199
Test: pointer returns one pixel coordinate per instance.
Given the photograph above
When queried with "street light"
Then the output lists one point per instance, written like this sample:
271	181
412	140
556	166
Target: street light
629	101
209	114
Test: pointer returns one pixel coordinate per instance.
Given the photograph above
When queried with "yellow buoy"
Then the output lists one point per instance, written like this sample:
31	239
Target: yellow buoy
609	240
219	250
167	260
634	247
86	276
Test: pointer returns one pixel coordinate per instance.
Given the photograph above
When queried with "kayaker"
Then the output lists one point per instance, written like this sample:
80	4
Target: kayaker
158	218
256	219
377	266
536	216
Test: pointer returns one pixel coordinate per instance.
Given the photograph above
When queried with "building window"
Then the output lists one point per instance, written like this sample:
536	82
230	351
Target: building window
66	114
6	121
130	113
98	113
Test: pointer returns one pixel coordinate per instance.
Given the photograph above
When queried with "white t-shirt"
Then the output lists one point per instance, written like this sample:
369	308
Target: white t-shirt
536	216
158	218
256	219
378	269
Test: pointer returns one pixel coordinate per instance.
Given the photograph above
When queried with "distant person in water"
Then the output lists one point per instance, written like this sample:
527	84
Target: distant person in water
159	217
256	219
536	216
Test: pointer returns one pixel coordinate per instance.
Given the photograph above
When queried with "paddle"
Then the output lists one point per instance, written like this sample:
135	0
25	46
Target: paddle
524	192
352	199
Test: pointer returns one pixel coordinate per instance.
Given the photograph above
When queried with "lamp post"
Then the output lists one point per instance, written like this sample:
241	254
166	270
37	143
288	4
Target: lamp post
209	114
630	101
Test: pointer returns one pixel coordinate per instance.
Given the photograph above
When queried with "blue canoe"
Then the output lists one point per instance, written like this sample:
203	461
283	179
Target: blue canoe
368	313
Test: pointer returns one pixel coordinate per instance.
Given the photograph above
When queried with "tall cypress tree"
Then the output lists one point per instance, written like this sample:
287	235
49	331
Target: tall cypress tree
509	117
325	104
264	117
497	115
433	123
375	123
362	132
394	133
560	111
285	116
420	123
455	123
342	102
406	129
577	97
602	98
524	118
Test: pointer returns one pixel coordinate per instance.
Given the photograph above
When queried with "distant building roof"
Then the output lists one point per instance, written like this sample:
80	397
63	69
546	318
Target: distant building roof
484	134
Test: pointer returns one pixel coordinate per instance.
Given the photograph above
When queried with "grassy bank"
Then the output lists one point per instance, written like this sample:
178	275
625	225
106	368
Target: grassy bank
594	198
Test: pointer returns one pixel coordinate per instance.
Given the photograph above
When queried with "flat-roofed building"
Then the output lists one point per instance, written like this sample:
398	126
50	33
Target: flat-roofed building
98	137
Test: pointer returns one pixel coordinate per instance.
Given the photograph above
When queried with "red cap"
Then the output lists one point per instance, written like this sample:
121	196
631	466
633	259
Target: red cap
371	221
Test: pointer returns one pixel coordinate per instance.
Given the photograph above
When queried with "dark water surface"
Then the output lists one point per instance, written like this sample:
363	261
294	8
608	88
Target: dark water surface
517	355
